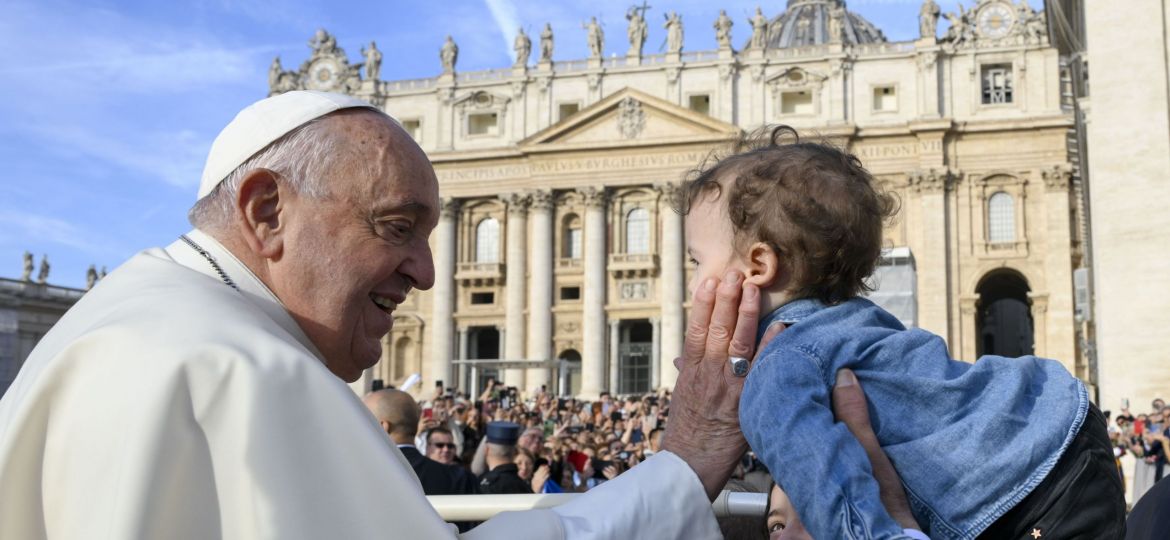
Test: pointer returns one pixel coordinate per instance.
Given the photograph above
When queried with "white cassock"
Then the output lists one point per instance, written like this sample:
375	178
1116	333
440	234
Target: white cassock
166	404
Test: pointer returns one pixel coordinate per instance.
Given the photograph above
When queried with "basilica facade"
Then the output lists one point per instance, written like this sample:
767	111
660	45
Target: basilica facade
560	263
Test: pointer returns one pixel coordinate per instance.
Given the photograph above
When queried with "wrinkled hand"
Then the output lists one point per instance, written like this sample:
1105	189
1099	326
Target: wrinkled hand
704	419
849	407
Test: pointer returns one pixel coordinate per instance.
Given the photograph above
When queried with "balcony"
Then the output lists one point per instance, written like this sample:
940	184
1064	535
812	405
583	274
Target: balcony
479	274
633	264
567	265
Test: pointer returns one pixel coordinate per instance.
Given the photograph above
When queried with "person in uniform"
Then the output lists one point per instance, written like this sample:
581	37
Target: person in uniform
503	477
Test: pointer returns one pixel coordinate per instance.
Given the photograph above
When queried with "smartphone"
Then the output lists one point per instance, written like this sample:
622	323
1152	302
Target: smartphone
428	413
438	384
598	468
1124	403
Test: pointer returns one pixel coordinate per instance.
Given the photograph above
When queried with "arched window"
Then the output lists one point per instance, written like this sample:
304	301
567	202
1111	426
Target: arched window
1001	218
487	241
571	237
638	231
403	355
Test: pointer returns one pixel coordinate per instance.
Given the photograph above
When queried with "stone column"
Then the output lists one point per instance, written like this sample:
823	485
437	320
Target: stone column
540	288
933	293
443	307
1054	323
656	354
464	345
615	338
672	284
515	287
593	321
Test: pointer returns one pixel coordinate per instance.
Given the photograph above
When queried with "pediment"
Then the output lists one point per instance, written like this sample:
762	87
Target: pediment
796	77
630	118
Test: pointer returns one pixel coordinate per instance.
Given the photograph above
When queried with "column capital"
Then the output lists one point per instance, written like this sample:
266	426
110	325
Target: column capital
932	180
1058	177
593	197
541	199
448	207
517	202
668	190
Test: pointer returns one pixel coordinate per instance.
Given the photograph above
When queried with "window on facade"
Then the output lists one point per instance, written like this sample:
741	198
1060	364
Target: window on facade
570	293
638	231
700	103
572	237
414	128
482	124
796	102
481	298
998	86
487	241
565	110
403	355
885	98
1001	218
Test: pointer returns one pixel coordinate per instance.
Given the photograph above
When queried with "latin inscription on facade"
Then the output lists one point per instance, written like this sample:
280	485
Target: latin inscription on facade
571	165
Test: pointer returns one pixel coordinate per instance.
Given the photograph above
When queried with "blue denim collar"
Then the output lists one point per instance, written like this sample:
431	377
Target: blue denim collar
790	313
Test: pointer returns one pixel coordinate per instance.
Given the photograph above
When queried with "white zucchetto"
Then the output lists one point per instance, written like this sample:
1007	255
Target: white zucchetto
261	124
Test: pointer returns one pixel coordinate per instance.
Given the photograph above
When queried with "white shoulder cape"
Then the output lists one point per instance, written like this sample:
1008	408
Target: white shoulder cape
167	405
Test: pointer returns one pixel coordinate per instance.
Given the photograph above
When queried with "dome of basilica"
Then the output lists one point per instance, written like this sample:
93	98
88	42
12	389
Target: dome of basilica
807	22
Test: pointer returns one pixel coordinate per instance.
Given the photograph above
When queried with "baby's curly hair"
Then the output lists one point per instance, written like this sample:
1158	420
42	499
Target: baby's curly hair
813	203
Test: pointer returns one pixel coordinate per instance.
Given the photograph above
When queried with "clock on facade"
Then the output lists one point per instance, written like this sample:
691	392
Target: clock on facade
323	74
996	20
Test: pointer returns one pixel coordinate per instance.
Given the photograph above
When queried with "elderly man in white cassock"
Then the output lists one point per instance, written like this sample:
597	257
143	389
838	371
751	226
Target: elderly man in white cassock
199	390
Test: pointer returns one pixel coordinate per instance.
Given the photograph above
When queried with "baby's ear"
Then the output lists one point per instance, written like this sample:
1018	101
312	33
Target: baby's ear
763	267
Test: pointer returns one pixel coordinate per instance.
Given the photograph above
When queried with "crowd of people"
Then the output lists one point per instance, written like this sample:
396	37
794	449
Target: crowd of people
562	445
1146	437
501	442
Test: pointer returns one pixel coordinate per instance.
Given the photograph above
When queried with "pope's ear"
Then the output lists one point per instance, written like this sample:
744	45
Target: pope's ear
259	210
763	265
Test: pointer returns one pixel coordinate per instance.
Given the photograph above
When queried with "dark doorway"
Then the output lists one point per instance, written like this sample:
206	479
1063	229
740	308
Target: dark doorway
634	350
570	372
484	344
1004	323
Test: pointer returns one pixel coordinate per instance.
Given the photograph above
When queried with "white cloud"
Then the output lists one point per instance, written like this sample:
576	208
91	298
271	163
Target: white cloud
83	51
175	157
504	13
34	229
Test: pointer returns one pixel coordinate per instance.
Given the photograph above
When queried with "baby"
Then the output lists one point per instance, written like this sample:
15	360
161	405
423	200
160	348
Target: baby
1003	447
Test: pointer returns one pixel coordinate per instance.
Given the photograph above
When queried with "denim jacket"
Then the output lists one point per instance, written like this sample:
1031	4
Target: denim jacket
969	441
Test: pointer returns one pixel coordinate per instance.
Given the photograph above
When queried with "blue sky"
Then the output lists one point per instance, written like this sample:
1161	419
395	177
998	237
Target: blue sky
107	109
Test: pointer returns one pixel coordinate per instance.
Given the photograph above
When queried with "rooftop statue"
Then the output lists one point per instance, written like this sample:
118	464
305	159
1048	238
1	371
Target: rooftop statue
636	31
595	37
43	275
759	30
323	43
28	267
546	43
928	19
448	55
674	32
723	30
522	45
91	277
373	61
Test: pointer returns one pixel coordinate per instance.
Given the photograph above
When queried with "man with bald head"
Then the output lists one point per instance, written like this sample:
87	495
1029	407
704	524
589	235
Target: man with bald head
398	414
199	390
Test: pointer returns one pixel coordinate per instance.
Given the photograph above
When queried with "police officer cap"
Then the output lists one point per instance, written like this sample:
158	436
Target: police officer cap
505	433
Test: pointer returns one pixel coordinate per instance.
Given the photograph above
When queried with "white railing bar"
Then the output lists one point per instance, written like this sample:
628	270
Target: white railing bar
484	507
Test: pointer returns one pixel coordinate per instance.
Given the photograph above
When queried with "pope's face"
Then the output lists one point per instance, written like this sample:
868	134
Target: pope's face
352	257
